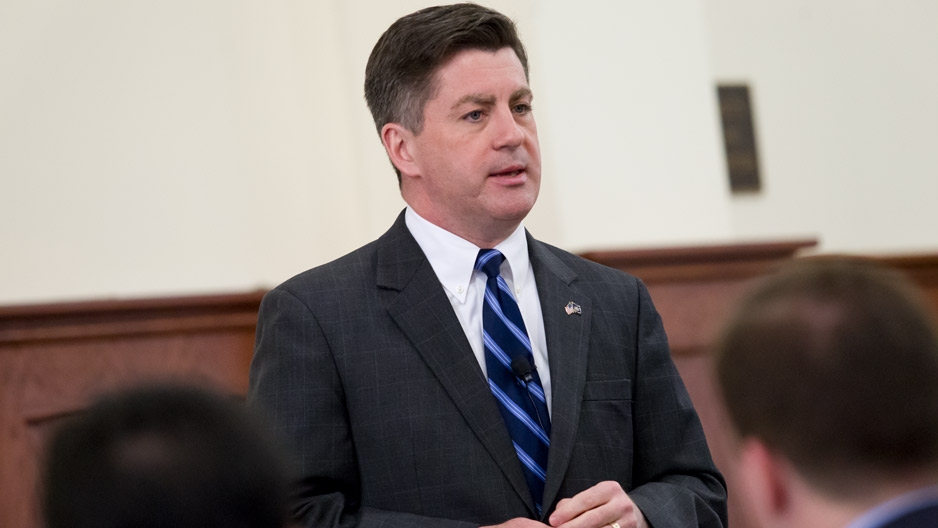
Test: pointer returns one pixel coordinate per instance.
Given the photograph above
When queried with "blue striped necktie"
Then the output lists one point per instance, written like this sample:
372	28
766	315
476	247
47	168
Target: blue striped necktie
512	377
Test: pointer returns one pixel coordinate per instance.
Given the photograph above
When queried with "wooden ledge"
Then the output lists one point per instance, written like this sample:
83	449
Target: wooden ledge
111	318
700	262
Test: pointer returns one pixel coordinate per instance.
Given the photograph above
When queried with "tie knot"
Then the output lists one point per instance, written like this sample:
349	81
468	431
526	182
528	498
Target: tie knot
489	261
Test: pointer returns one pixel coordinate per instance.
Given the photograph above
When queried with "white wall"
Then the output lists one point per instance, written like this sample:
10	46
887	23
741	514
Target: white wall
154	148
165	148
175	147
630	131
846	101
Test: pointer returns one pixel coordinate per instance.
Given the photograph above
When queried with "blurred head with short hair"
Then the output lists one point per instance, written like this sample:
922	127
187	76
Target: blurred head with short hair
163	456
829	371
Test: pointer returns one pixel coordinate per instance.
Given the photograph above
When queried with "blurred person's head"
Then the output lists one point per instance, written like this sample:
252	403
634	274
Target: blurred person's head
829	372
163	456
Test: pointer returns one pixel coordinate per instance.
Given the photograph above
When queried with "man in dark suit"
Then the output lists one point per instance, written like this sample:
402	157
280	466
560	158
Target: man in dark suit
422	386
829	370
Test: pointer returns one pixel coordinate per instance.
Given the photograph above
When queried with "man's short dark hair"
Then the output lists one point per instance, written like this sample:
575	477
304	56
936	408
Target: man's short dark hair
399	76
834	363
162	456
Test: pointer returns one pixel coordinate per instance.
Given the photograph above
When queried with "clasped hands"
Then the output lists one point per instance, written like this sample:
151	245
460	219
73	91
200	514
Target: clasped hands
605	504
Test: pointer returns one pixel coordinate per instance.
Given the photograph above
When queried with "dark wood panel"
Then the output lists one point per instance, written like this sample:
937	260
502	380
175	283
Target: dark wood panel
55	358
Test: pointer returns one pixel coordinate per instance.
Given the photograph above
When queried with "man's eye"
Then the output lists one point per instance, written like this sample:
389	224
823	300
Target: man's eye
522	108
474	115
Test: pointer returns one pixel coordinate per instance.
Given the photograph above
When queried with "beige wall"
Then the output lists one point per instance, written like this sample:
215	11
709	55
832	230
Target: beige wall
846	102
176	147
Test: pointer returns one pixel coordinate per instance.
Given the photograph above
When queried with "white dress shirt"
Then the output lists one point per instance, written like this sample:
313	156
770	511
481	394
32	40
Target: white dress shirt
453	260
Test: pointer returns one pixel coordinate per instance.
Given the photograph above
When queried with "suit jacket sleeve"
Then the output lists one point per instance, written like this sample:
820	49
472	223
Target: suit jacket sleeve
680	486
294	380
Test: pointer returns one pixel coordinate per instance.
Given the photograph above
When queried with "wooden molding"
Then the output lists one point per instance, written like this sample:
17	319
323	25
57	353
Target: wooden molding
113	318
55	358
694	263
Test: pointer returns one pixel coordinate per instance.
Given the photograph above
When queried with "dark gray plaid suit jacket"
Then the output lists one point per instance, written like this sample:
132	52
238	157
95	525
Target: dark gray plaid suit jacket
365	369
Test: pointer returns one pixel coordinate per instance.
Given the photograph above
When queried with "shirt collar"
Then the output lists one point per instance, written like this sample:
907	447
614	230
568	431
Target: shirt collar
896	507
453	258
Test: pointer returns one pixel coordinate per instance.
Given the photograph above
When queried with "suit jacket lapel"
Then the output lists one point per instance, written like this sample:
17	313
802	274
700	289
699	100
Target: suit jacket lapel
567	351
423	312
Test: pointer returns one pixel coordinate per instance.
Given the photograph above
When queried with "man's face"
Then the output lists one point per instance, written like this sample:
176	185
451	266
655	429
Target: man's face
476	165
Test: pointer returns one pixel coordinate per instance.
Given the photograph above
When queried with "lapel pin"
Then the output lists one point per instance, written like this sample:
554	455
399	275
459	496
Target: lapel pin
573	308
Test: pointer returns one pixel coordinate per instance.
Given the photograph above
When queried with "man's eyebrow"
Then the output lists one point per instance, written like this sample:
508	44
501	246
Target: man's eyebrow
489	100
476	98
521	93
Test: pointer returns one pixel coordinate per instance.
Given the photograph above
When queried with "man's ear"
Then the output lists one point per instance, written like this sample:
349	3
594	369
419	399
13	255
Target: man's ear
767	478
399	144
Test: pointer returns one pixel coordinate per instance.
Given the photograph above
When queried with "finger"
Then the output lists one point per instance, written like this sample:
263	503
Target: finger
585	501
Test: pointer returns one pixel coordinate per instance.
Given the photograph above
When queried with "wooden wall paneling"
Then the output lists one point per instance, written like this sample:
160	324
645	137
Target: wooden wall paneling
54	359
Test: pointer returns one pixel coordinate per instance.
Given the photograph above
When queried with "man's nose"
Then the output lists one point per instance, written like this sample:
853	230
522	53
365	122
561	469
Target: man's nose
508	131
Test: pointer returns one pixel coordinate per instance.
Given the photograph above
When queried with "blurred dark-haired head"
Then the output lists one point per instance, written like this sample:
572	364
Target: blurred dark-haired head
164	456
833	362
